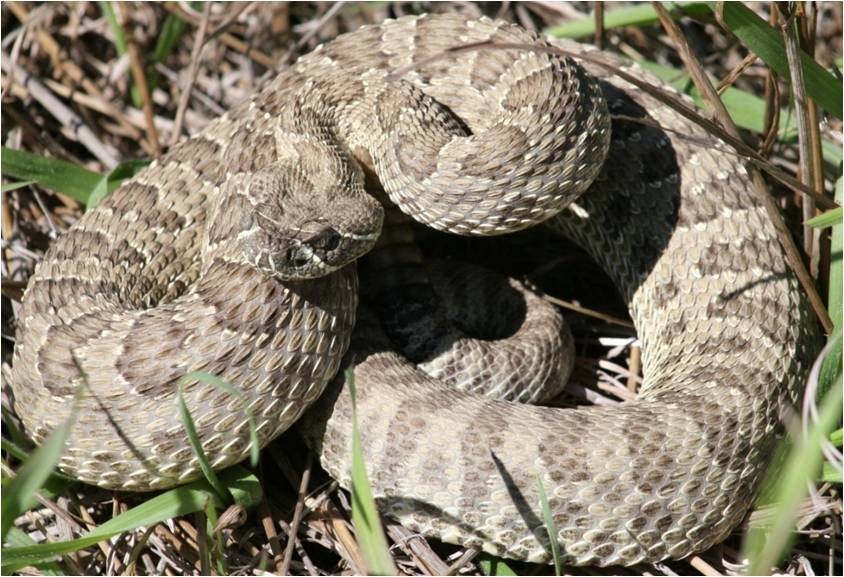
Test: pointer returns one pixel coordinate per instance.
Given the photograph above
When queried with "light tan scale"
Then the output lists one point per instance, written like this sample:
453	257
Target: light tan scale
231	254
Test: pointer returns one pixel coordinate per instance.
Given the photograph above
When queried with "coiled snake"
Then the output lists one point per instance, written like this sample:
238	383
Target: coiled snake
228	255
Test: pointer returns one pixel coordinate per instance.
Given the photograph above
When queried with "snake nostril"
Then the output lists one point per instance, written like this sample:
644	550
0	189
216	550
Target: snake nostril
296	257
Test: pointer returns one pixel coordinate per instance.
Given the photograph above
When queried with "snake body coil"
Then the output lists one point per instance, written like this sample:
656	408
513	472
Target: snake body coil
226	255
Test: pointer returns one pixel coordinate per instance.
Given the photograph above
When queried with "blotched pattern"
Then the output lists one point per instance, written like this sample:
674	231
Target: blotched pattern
727	336
227	254
180	270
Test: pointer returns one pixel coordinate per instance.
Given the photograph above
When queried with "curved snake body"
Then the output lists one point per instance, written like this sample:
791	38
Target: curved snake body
205	262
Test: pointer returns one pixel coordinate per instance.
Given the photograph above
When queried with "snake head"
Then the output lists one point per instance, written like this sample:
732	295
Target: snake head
297	229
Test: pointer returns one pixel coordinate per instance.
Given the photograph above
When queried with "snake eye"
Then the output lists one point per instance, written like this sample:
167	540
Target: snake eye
327	240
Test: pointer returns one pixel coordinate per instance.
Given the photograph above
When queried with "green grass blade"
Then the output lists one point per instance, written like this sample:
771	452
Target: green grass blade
115	27
121	46
550	526
18	538
240	483
196	444
765	545
831	152
639	14
17	496
832	364
171	33
746	109
214	380
10	186
368	529
202	539
836	437
494	566
827	219
830	474
65	177
14	449
753	31
109	182
215	539
56	484
18	437
759	37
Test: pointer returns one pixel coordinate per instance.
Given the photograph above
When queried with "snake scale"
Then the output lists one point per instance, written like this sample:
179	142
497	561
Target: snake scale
228	255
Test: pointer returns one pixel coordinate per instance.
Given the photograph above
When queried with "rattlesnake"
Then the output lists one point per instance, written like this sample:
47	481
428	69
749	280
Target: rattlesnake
205	261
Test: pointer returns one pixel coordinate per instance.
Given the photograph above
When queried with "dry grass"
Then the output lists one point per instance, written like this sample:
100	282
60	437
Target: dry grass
69	93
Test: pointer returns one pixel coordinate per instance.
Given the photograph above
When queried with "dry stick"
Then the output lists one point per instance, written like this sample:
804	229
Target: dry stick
502	9
733	75
141	82
297	515
306	560
58	511
814	123
329	14
589	312
242	8
71	559
417	548
196	51
189	537
772	113
704	567
268	523
772	98
607	365
614	387
185	556
337	525
16	49
819	262
225	38
37	136
8	226
467	556
137	551
66	117
523	17
201	96
759	187
88	101
801	106
635	367
587	394
72	71
253	53
599	25
105	546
